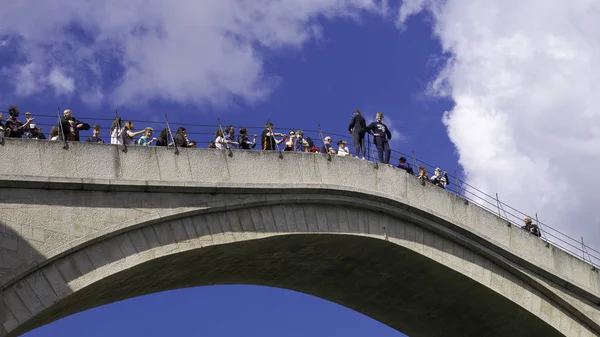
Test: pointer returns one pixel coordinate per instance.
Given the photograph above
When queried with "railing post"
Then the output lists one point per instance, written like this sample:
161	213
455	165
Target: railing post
323	141
498	203
230	152
537	221
61	131
171	134
120	131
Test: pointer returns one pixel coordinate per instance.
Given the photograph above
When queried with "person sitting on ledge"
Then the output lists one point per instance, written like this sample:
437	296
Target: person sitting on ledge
402	164
440	180
36	132
530	227
342	149
327	148
423	175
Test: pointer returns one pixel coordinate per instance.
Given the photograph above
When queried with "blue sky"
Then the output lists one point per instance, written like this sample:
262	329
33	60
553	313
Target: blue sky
503	92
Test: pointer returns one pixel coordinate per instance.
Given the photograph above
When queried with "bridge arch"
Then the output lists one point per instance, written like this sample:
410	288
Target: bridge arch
377	265
200	204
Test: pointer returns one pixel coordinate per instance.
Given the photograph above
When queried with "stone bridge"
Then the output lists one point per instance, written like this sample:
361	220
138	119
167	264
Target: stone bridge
92	224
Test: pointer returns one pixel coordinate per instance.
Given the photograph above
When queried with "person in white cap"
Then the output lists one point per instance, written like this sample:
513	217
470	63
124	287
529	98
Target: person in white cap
440	180
36	132
326	148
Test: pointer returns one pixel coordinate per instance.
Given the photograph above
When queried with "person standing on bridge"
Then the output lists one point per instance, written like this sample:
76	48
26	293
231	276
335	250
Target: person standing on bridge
358	128
244	140
382	136
70	126
14	127
268	140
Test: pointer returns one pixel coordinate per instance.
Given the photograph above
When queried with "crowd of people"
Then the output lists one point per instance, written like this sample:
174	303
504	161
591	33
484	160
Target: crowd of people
123	133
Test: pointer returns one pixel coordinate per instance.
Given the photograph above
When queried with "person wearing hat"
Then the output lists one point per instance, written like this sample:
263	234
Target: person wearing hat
342	149
530	227
36	132
440	180
326	148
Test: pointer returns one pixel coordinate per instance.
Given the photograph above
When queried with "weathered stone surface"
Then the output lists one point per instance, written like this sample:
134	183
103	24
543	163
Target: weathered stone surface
150	220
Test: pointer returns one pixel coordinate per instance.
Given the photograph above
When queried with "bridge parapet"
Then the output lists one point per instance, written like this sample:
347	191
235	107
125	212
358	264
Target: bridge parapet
106	168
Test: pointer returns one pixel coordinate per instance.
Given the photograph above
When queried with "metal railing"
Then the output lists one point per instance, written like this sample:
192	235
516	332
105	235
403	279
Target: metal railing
203	134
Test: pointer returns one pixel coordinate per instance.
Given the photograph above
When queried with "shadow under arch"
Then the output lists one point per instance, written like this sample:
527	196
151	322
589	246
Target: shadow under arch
389	283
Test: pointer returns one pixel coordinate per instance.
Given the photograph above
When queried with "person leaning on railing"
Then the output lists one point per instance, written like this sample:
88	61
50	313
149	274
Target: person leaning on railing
402	164
530	227
440	180
423	175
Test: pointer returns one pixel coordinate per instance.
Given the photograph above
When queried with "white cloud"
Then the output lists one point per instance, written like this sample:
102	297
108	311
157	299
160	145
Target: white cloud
62	84
188	51
526	123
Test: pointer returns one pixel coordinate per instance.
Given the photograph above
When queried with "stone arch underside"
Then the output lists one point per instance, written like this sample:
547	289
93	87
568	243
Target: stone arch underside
398	274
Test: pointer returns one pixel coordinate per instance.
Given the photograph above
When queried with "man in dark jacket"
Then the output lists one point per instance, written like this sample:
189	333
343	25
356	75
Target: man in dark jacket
181	138
358	128
382	135
70	126
15	127
268	140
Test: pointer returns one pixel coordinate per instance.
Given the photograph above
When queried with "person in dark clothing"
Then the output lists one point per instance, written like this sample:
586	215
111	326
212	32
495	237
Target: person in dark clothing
268	140
244	140
163	138
95	138
382	136
358	128
71	126
531	228
36	132
180	137
15	127
327	148
402	164
3	132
